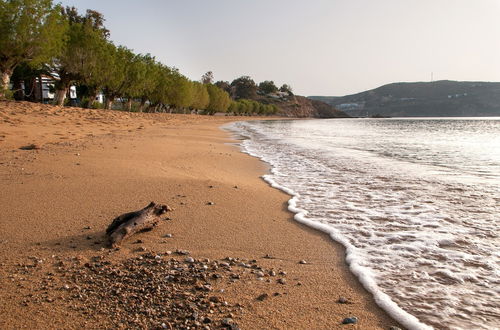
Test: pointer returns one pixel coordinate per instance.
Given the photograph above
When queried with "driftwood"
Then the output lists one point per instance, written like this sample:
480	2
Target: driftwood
130	223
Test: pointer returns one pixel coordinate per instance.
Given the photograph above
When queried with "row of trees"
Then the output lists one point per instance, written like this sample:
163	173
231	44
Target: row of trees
245	87
38	37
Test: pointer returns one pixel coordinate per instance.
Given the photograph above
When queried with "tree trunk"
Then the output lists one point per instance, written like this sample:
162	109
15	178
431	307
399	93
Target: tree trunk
128	224
5	82
143	103
18	89
129	104
60	95
109	102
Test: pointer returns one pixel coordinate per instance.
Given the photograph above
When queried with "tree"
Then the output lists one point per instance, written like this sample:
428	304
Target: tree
268	87
30	31
207	78
244	87
219	100
81	58
201	99
286	89
224	85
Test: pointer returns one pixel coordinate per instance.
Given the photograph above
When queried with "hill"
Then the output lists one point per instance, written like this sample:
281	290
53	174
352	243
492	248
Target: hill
301	106
422	99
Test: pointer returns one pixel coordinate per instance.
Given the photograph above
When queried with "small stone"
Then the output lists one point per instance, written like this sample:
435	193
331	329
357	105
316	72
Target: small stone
189	260
281	281
394	328
260	274
272	273
268	256
210	203
207	320
167	235
139	241
87	227
342	300
262	297
302	262
227	321
350	320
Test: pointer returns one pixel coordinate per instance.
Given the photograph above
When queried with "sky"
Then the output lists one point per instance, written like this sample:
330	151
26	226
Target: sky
319	47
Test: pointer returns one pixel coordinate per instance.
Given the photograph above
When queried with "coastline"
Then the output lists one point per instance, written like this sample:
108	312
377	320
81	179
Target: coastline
93	165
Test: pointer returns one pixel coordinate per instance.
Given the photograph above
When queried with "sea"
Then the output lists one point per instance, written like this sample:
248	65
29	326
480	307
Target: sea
414	201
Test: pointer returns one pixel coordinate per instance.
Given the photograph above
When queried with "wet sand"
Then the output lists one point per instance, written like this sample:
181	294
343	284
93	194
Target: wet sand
88	166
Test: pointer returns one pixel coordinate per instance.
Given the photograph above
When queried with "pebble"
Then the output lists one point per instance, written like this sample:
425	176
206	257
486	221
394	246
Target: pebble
189	260
167	235
394	328
281	281
350	320
227	321
342	300
262	297
210	203
302	262
260	274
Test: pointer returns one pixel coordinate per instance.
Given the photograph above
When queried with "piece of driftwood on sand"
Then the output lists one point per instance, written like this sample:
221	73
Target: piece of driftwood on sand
130	223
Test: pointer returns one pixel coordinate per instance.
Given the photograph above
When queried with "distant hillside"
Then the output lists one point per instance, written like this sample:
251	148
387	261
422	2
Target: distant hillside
422	99
301	106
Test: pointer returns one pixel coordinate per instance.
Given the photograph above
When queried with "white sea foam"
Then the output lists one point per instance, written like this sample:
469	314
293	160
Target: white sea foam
424	243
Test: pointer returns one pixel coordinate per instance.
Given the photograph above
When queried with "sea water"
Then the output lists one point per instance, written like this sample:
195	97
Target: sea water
415	202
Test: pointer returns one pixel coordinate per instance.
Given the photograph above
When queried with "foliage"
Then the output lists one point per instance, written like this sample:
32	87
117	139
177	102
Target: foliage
251	107
268	87
31	31
200	97
224	85
286	89
207	78
244	87
39	37
219	100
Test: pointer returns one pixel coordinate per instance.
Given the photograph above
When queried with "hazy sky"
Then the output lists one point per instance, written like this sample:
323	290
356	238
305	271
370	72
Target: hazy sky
319	47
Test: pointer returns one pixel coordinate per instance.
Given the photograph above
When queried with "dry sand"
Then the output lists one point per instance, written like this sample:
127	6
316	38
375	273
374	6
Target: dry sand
93	165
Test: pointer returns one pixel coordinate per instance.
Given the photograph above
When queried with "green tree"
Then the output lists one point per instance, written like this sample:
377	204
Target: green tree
219	100
268	87
201	99
30	31
286	89
81	58
244	87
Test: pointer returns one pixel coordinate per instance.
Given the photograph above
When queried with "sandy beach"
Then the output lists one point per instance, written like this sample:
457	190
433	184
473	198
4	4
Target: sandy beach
86	167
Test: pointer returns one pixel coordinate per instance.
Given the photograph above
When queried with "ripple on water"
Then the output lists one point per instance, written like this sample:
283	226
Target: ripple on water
428	242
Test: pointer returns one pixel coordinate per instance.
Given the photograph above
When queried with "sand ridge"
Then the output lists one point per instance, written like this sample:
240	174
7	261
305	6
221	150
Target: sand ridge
93	165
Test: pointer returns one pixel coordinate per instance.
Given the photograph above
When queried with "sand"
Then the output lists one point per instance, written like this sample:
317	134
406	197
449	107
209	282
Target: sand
89	166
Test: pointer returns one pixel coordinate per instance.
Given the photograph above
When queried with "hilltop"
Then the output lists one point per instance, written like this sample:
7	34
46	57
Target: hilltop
421	99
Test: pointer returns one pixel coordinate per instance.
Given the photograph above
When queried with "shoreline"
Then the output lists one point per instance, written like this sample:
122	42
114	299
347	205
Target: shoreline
184	161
